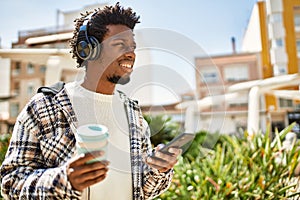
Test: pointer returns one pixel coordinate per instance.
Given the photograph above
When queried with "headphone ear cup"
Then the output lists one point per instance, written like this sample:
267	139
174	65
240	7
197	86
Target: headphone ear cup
96	48
87	47
84	50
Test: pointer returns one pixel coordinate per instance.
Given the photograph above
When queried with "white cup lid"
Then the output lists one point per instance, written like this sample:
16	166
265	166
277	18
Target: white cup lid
92	130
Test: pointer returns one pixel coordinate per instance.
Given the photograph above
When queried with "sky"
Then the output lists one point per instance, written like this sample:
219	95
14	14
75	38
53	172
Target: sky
209	23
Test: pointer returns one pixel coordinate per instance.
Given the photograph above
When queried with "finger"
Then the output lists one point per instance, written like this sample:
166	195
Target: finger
165	156
175	151
90	167
151	161
93	175
83	158
159	146
158	166
80	184
159	163
93	181
77	178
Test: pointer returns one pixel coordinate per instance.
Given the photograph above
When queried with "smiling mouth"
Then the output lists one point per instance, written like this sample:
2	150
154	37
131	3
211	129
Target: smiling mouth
126	67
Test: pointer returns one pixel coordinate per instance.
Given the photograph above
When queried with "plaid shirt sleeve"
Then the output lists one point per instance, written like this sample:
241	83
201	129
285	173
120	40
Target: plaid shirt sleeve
155	183
27	171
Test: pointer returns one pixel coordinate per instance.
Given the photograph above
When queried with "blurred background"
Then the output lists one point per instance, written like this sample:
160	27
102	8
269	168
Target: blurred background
226	66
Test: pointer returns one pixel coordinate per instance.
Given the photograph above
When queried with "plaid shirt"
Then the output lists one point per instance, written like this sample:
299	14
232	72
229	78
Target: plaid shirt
43	141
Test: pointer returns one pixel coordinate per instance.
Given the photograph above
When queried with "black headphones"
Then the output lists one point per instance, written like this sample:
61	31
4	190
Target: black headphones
87	47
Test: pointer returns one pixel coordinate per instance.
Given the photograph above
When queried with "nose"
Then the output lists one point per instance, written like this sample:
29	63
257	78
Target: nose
130	53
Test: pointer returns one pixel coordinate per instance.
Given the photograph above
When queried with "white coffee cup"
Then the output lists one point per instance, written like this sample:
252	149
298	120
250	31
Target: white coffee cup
92	137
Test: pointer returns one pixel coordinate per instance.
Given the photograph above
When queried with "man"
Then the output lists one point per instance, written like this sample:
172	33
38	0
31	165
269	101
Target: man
41	162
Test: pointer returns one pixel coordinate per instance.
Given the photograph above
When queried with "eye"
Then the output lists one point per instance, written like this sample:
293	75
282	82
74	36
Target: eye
133	47
120	44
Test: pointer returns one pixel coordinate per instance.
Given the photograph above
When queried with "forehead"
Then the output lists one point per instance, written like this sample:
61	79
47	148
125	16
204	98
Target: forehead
118	32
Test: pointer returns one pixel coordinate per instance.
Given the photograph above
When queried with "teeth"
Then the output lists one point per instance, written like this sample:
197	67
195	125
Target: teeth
126	65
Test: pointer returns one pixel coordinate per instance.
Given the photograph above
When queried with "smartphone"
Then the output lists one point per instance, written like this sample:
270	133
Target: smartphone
181	141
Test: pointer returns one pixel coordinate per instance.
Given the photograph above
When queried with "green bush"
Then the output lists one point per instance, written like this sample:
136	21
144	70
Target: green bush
201	145
4	142
236	168
162	128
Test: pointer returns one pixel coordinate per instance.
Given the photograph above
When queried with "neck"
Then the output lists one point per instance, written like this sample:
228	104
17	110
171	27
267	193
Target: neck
103	87
95	80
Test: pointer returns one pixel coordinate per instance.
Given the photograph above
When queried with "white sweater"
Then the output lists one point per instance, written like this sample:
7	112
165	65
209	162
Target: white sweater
108	110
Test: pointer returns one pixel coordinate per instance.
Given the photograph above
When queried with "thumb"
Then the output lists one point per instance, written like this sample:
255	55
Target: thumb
159	146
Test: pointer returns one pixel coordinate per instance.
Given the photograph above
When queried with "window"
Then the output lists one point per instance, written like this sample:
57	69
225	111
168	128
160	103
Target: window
297	21
237	72
17	70
30	68
279	69
30	89
284	103
14	109
298	47
237	105
294	117
275	18
279	42
209	75
282	70
16	88
43	69
18	66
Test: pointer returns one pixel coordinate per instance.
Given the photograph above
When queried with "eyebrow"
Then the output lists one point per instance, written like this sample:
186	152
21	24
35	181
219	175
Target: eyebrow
122	39
121	36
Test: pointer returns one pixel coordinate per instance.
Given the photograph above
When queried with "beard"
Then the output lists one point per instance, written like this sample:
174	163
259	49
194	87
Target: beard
119	79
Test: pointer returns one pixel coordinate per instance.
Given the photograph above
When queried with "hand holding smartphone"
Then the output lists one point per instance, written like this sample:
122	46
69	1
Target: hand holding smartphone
163	159
179	141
